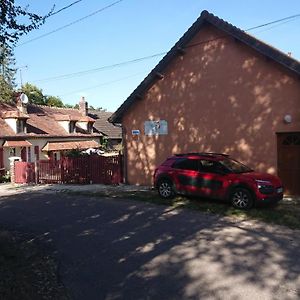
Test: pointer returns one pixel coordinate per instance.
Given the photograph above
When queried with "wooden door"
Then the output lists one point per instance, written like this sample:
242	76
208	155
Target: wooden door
288	161
23	154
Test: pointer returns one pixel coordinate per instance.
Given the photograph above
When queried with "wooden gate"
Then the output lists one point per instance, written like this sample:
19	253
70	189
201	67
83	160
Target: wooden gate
24	172
49	171
288	157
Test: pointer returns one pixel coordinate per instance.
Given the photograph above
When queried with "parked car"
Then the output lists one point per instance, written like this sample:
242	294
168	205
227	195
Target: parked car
216	175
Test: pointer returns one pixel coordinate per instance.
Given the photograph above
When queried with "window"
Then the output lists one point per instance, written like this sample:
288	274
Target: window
21	126
187	164
292	139
209	166
55	156
90	127
72	127
37	152
12	151
29	154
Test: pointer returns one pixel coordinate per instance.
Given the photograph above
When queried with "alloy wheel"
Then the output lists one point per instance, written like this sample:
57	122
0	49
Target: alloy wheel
165	189
240	199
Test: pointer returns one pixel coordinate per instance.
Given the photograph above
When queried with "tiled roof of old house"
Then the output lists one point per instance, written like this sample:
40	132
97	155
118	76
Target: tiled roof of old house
179	49
103	126
43	120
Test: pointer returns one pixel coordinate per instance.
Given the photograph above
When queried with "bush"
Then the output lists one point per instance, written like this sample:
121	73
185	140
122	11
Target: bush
5	178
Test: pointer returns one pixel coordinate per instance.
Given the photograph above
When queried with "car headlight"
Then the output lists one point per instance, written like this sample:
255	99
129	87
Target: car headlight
265	186
261	183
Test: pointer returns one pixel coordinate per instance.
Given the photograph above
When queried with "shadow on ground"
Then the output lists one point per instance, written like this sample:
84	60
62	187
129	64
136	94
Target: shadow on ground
125	249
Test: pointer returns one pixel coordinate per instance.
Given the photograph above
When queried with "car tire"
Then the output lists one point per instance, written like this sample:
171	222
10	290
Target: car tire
166	189
241	198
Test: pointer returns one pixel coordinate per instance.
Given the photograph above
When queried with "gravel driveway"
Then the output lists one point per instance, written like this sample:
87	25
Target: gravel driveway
121	249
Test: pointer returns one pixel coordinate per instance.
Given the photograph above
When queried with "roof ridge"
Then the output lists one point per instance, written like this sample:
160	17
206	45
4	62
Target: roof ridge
54	107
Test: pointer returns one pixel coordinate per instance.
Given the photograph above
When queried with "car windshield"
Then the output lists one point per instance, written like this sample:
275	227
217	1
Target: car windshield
235	166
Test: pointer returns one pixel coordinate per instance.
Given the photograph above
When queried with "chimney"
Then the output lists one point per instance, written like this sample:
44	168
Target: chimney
289	54
83	106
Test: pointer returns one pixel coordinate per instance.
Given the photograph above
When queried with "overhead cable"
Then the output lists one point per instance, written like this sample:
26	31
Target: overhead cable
70	24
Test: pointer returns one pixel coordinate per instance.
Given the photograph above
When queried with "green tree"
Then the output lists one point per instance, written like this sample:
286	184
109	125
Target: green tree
6	91
16	21
8	70
54	101
69	105
34	94
7	74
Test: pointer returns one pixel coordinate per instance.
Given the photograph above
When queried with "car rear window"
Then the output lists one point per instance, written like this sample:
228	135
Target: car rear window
169	162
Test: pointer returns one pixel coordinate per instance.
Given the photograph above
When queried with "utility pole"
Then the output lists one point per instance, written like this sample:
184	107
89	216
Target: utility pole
21	77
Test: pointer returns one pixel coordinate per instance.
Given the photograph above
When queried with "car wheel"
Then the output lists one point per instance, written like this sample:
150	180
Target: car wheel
165	189
241	198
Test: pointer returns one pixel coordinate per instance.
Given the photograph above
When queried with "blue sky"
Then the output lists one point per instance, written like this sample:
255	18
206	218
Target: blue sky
130	29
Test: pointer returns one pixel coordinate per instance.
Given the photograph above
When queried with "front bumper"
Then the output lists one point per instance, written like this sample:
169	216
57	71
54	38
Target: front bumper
269	199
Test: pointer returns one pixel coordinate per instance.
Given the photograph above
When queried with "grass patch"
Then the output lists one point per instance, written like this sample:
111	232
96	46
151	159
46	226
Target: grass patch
286	212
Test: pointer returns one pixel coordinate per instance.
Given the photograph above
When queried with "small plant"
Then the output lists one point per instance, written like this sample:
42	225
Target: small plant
5	178
104	144
74	153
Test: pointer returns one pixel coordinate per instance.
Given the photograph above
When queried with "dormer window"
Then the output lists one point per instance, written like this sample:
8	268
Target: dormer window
21	125
90	127
72	126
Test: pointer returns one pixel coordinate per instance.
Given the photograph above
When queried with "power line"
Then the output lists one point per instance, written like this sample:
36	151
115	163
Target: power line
108	67
70	24
273	22
101	84
64	8
274	26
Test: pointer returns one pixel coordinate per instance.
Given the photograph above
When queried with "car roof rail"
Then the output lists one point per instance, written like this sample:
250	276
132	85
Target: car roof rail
203	154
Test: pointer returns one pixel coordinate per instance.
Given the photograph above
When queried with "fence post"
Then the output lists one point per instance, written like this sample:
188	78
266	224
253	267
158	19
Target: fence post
36	172
12	171
62	169
120	168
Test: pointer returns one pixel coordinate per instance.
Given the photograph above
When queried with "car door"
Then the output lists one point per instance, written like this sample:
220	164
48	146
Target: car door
187	175
213	178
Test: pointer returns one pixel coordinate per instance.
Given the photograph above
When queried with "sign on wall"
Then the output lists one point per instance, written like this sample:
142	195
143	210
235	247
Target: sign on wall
156	127
135	132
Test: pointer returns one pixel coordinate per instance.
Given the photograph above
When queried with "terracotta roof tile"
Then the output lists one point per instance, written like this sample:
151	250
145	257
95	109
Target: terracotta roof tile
55	146
22	143
13	114
43	120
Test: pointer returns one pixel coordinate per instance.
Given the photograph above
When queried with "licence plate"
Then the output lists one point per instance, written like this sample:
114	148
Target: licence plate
279	190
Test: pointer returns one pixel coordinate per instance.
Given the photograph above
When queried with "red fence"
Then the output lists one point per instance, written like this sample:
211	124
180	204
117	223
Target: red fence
81	170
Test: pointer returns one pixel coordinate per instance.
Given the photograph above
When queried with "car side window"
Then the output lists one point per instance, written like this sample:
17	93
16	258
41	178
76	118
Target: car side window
187	164
209	166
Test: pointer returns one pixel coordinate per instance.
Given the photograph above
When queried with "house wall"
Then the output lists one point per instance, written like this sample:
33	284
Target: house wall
12	123
65	125
220	96
40	142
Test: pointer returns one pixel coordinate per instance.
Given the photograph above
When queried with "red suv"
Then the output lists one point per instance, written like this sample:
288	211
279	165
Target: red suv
217	176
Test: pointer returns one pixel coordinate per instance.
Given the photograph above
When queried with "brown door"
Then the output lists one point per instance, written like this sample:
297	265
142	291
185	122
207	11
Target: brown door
23	154
288	153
